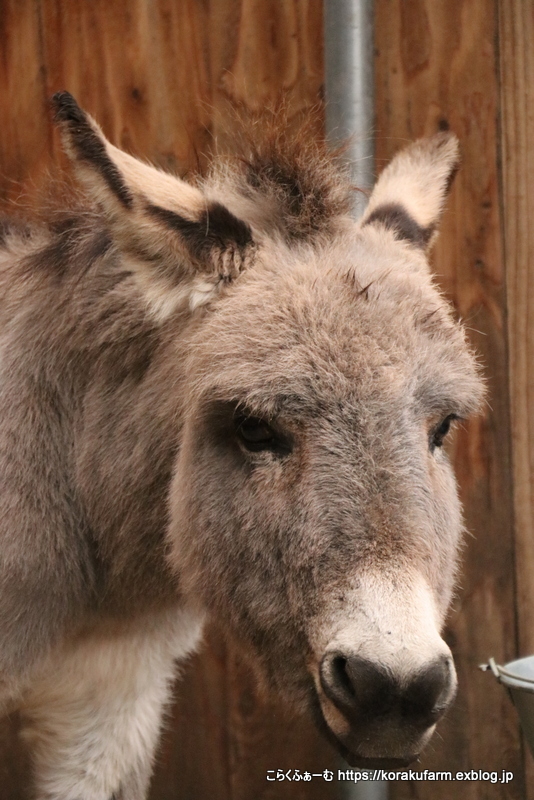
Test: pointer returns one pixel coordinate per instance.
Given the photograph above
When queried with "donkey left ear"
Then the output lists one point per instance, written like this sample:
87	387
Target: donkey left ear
410	193
168	228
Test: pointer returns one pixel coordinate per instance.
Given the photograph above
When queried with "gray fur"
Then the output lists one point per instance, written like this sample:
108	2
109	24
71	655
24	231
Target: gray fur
126	489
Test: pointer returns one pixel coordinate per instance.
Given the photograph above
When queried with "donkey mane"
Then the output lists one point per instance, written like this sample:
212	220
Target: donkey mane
300	185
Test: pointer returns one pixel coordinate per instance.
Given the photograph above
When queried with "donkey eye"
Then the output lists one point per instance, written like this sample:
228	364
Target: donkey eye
255	431
255	434
439	433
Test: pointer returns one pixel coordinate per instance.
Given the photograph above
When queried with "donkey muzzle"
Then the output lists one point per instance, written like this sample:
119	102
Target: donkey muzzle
377	715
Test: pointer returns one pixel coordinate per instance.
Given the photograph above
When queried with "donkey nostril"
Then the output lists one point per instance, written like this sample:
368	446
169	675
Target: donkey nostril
355	685
430	692
336	681
339	671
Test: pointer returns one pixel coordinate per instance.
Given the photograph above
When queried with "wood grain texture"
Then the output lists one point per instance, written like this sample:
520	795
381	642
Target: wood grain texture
14	762
516	36
436	68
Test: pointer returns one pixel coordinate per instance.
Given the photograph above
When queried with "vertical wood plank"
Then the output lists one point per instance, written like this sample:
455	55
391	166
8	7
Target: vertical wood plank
436	67
516	29
14	762
139	67
274	54
25	138
266	736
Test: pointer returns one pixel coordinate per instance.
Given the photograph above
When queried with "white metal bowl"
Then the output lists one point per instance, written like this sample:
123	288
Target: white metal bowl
518	677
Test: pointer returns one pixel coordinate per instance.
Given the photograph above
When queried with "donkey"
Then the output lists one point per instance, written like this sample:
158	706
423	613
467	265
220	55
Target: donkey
229	399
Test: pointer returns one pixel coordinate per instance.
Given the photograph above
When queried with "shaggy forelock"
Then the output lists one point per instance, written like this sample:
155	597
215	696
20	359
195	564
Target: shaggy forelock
283	178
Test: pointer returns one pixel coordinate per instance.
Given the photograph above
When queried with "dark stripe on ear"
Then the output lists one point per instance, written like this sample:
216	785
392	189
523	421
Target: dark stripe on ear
216	227
397	219
88	145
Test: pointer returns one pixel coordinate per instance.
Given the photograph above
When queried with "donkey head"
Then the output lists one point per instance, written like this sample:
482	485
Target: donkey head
313	509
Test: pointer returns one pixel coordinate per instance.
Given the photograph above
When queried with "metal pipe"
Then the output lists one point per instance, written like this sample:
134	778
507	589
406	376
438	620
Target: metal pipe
350	116
349	87
363	789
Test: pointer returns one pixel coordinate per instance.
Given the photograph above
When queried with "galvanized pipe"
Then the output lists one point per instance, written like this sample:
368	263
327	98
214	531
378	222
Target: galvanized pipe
349	87
350	117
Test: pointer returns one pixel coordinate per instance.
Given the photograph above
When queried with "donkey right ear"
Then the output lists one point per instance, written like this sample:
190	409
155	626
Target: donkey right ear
409	196
167	227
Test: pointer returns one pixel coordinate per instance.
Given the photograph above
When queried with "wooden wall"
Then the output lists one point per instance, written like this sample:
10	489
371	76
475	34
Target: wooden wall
158	74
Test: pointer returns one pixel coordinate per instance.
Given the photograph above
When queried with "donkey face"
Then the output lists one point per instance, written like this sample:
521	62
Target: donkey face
313	509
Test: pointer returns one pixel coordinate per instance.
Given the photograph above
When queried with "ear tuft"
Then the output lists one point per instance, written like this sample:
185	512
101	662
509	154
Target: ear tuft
217	237
66	109
410	193
85	143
